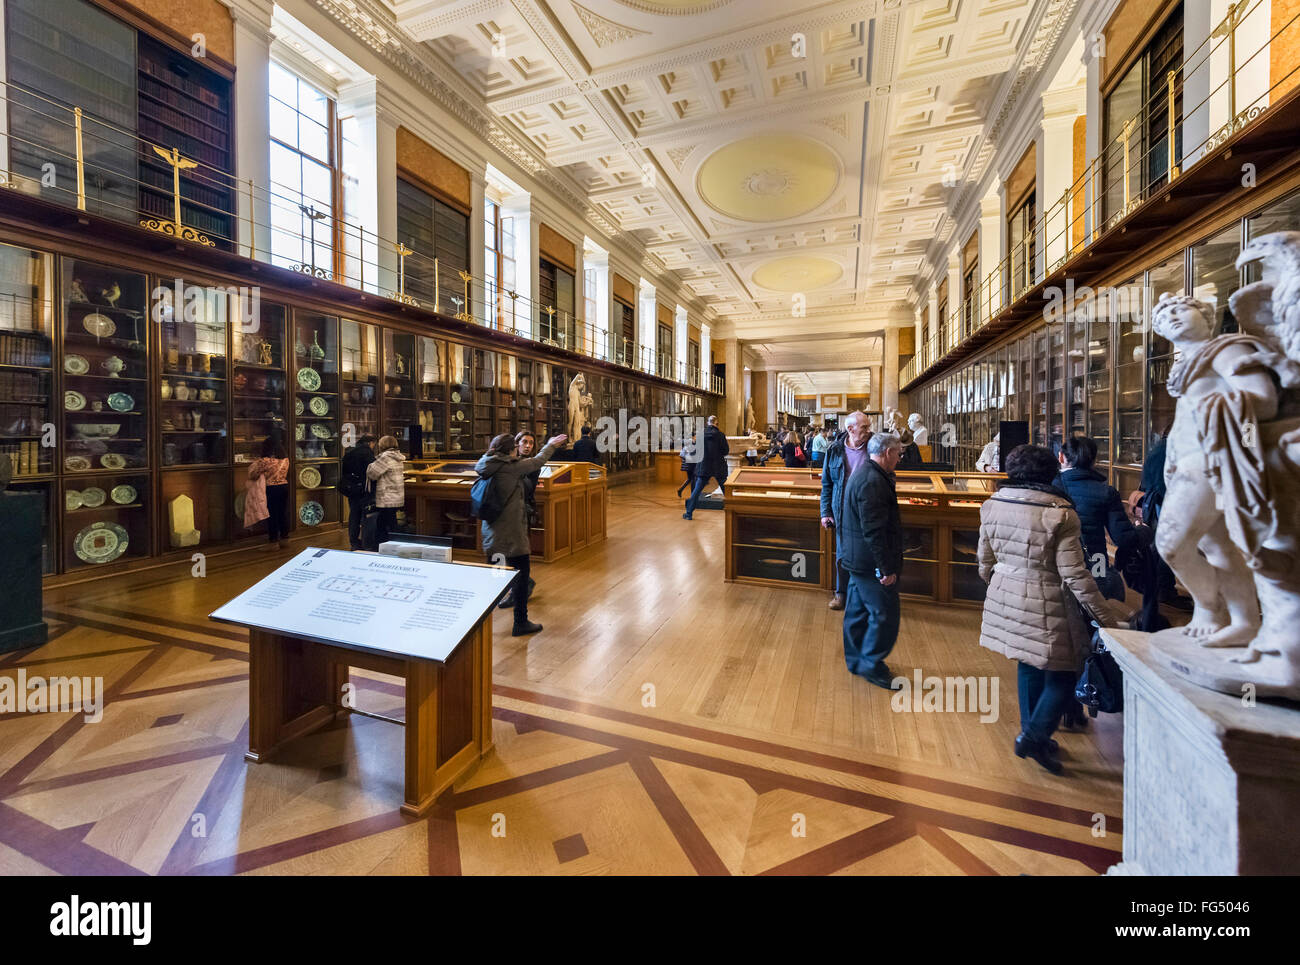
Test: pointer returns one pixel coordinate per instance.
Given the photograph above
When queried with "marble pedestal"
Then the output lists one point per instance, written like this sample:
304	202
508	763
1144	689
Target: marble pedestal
1211	785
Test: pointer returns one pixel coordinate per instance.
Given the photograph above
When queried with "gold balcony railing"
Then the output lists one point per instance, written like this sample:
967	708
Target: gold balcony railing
65	155
1130	168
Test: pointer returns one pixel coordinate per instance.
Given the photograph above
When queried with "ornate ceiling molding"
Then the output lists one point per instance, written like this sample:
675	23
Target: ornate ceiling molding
649	6
604	31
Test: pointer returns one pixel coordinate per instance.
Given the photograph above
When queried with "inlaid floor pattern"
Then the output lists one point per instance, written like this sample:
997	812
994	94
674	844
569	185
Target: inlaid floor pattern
664	722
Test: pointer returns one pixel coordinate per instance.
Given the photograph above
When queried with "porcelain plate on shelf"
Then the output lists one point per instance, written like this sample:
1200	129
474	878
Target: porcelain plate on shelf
321	431
121	402
76	365
123	495
100	542
72	499
311	513
112	460
298	407
93	497
309	477
319	406
76	464
101	326
309	379
73	401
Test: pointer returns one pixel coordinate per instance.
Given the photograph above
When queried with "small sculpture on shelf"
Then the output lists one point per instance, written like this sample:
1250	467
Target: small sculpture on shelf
79	291
180	514
112	293
264	356
920	434
1230	524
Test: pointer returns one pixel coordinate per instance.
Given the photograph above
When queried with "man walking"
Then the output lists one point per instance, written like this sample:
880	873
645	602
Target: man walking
842	457
354	485
871	547
712	464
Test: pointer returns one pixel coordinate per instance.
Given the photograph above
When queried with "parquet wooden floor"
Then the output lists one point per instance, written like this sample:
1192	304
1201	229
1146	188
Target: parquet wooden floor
664	722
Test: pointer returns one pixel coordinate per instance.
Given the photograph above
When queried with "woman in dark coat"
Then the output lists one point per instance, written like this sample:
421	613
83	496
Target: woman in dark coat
505	539
525	443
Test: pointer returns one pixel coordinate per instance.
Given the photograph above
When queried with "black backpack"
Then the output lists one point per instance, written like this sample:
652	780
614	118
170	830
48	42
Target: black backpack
485	498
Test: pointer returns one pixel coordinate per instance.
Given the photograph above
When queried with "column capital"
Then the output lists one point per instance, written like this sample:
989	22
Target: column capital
991	204
1064	104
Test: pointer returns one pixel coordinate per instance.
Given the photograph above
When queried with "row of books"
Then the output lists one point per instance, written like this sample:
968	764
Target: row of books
21	348
26	458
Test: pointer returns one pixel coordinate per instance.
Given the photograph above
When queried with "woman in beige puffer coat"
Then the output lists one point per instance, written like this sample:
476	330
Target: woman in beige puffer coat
390	484
1031	556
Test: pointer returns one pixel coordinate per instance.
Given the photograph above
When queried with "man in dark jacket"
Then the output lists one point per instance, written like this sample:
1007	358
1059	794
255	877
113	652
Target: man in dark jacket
1100	509
353	485
712	464
844	455
870	539
584	450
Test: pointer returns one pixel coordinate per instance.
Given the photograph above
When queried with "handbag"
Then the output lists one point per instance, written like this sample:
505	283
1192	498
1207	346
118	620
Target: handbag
1101	685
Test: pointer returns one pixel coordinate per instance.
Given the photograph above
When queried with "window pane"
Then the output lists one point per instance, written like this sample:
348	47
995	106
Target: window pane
313	103
284	85
284	122
316	184
314	140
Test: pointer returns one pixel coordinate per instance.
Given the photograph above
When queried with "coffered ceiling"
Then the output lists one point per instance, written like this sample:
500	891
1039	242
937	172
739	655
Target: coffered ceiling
792	161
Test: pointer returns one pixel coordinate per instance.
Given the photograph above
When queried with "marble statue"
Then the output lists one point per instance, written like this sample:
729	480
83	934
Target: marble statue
990	456
580	402
920	434
1230	523
892	421
750	422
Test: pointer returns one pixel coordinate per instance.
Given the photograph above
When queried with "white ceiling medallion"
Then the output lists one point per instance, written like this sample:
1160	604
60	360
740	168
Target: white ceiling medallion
770	182
603	31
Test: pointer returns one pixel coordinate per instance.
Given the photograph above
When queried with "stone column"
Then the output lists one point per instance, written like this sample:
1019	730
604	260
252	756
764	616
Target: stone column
386	194
478	246
733	406
993	227
954	298
889	383
1056	169
932	311
252	93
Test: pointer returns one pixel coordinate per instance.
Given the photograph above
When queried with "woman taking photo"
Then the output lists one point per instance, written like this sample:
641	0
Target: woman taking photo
525	443
505	539
1031	557
273	467
390	485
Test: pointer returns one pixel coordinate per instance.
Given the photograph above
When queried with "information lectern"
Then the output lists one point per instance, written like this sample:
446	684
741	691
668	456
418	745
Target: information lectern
424	621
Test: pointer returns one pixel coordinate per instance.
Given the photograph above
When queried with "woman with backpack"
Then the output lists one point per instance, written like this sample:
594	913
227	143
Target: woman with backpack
387	472
354	485
525	444
503	514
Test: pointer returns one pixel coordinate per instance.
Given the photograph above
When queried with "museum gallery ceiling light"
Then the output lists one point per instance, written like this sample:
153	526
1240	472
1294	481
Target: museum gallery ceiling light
769	177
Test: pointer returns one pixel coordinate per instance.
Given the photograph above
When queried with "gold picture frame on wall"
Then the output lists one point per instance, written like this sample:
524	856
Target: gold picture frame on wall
830	403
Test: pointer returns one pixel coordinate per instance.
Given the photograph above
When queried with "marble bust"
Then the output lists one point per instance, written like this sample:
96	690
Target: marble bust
920	434
1230	524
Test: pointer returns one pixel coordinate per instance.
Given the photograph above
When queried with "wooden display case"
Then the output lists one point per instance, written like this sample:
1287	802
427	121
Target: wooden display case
775	538
571	499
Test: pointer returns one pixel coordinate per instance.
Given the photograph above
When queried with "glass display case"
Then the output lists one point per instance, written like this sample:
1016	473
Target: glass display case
1099	365
431	387
360	390
26	362
316	432
401	410
773	529
106	369
259	394
192	392
1077	333
1130	372
460	415
192	508
484	415
105	518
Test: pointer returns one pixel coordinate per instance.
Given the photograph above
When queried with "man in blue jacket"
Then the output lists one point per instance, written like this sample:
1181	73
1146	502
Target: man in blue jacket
843	456
1100	509
871	547
712	464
